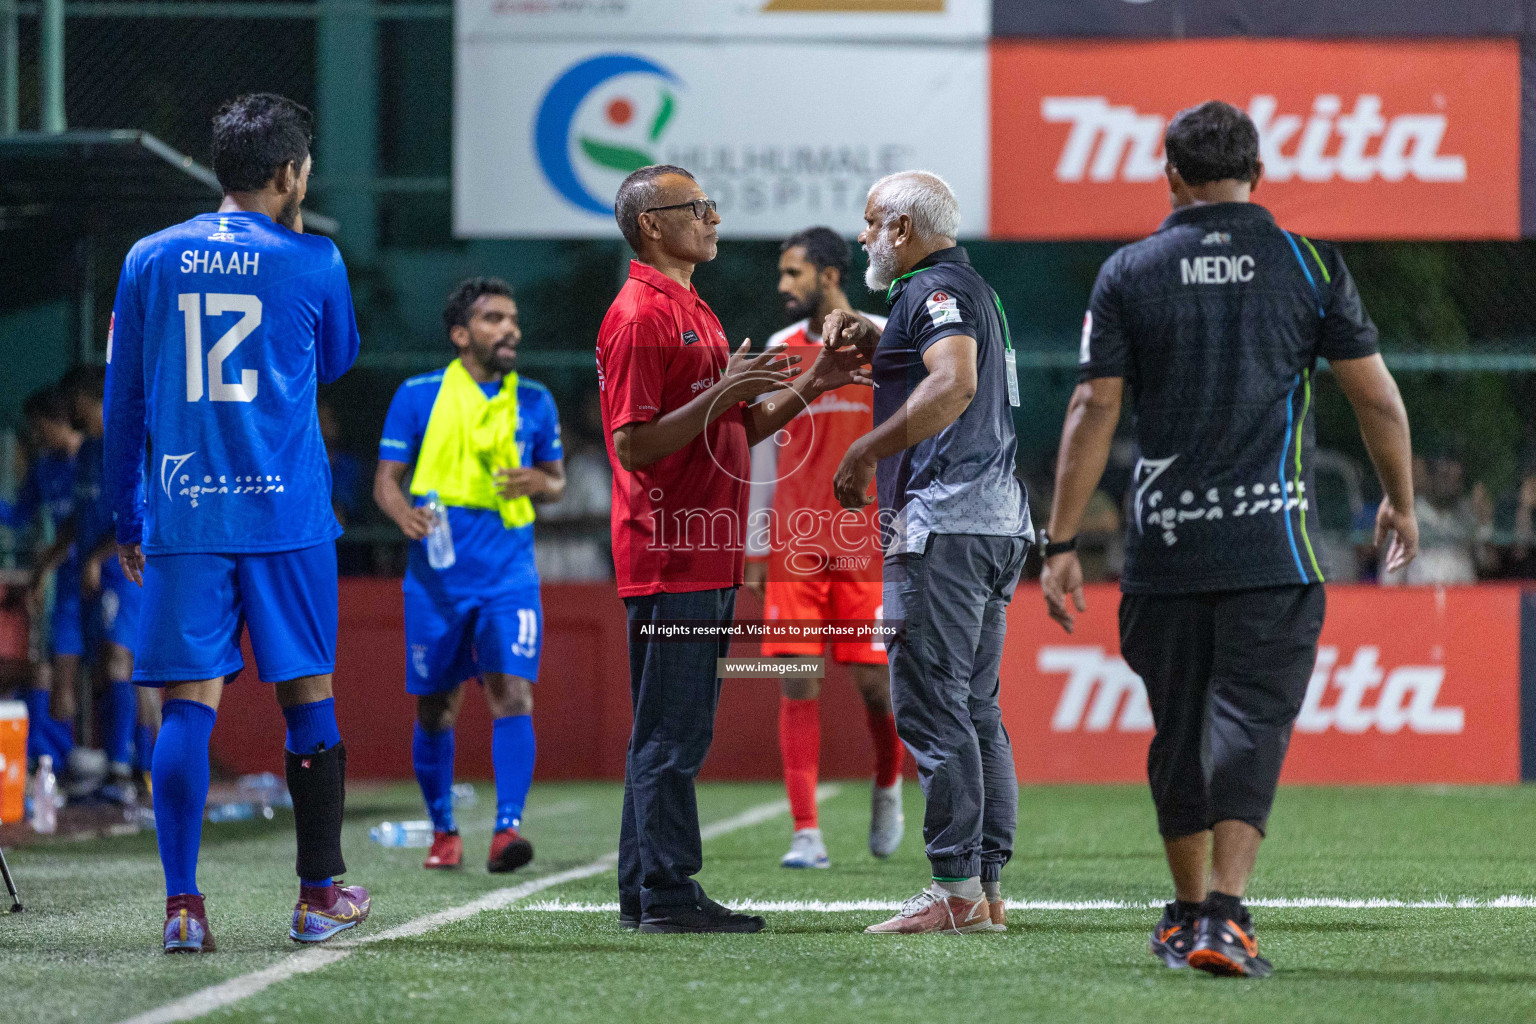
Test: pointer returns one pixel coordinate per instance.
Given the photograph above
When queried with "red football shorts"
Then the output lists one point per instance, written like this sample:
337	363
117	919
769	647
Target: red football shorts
825	598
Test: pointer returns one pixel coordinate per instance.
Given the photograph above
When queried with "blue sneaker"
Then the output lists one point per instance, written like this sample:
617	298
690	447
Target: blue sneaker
186	925
321	913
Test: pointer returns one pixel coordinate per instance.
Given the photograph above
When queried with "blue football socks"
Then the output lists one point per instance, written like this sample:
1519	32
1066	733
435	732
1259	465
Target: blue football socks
432	756
121	716
312	727
63	736
180	778
143	747
512	752
39	736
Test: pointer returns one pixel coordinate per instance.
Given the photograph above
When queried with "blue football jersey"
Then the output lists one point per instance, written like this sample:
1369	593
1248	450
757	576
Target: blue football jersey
488	556
48	488
223	328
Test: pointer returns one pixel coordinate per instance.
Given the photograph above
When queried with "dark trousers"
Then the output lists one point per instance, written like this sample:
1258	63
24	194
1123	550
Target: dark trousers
952	605
674	690
1226	674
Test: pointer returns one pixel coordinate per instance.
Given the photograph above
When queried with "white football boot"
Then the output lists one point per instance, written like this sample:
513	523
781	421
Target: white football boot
886	822
806	850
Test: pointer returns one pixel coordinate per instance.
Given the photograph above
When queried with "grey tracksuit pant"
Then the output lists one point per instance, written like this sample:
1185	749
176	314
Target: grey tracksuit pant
951	602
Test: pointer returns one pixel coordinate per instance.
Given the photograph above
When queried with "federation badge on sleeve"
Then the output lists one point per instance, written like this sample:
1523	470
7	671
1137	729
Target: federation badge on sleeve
943	308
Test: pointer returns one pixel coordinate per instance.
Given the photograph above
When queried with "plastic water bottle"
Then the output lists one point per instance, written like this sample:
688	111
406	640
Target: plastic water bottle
264	790
45	798
242	810
440	540
464	794
402	833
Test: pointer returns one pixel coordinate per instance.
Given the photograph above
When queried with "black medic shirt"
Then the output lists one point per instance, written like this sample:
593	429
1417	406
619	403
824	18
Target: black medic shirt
961	480
1216	322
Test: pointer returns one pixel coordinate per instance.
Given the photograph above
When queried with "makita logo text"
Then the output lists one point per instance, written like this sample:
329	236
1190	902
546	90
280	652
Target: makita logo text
1216	269
1119	143
1101	692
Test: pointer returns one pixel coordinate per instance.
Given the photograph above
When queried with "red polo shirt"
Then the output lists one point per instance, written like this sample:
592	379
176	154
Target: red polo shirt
678	524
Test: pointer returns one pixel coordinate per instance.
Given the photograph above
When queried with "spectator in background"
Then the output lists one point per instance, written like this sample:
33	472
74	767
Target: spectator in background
1516	515
1455	525
346	468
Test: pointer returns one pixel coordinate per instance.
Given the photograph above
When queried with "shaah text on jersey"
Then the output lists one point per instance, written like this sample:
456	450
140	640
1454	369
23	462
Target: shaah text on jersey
212	261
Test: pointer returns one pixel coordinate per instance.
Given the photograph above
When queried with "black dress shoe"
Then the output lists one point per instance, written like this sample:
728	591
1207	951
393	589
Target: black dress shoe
704	916
629	913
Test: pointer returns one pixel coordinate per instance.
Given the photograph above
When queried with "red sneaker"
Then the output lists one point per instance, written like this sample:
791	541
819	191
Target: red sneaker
509	851
447	851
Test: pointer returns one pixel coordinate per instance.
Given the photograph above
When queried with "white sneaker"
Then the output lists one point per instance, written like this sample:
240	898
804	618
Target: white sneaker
806	850
886	822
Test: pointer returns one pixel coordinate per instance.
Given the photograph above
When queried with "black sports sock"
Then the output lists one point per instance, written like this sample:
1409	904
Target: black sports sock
1187	910
1224	905
318	783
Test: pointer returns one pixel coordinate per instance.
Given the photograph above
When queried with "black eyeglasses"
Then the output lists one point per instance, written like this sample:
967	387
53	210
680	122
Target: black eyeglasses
700	207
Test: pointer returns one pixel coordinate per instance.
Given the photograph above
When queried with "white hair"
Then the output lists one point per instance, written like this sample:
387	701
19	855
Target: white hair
923	196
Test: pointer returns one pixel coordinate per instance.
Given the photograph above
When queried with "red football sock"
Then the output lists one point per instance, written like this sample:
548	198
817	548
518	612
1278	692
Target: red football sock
800	743
888	748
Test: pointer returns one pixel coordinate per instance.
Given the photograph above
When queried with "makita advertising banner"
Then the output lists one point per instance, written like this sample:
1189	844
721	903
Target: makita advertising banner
781	135
1412	685
1316	19
1360	140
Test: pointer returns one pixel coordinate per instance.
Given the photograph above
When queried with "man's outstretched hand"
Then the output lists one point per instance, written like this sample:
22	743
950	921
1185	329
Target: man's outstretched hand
841	329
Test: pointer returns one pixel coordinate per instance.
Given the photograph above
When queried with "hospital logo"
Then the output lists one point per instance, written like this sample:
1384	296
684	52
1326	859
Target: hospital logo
599	121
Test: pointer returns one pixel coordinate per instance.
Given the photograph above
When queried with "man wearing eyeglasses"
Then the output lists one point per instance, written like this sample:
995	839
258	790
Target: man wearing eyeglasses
678	428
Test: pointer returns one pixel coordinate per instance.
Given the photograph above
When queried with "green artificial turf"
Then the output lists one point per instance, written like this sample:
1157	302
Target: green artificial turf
87	949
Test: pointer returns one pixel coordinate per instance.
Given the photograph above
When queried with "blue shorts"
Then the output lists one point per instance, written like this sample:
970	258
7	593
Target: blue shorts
196	605
67	637
118	608
451	638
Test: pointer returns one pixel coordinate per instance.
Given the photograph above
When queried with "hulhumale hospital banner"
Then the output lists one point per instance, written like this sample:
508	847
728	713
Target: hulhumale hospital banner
781	135
866	20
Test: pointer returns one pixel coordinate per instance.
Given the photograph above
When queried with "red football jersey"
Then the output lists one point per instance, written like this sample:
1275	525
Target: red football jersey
795	515
679	523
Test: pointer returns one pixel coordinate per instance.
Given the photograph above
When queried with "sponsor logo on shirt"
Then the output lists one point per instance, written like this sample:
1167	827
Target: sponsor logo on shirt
689	337
178	484
1102	693
1217	238
701	385
943	308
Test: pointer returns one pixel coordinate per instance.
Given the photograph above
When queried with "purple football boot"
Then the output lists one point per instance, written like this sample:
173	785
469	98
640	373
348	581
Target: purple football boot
323	912
186	925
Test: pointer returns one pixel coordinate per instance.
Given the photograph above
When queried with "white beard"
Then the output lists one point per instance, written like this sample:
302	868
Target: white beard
882	264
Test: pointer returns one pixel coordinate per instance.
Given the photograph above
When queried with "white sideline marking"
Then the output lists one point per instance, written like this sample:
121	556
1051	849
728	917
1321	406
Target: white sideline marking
852	906
232	991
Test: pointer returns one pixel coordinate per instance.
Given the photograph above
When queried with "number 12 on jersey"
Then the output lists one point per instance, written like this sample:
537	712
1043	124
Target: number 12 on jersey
192	306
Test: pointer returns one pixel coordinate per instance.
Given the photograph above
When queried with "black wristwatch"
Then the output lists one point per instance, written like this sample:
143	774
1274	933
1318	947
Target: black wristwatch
1051	548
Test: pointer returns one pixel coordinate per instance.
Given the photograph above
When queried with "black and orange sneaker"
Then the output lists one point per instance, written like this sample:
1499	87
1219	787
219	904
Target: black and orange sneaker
1228	948
1174	937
